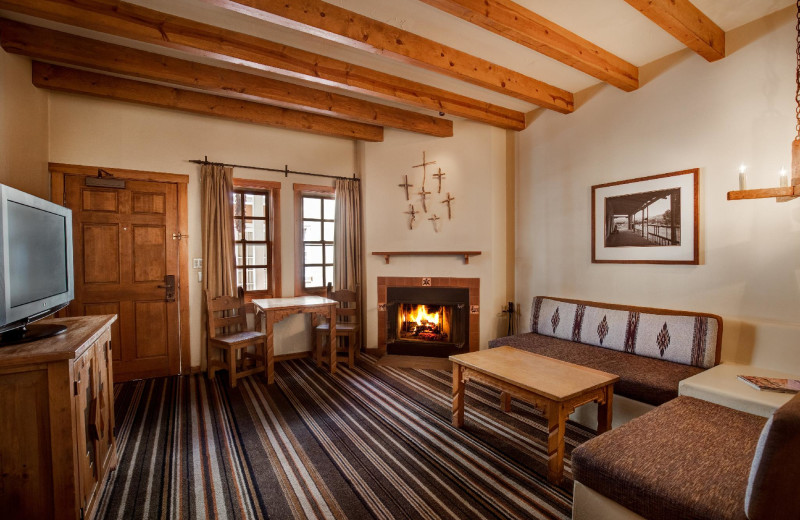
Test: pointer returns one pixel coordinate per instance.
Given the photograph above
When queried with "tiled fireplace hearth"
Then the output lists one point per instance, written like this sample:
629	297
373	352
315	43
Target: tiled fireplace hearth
428	317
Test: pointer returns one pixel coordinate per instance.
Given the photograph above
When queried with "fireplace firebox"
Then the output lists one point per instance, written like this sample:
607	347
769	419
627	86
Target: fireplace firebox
427	321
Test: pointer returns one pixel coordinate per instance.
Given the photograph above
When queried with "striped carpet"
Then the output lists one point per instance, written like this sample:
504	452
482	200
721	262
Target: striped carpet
372	442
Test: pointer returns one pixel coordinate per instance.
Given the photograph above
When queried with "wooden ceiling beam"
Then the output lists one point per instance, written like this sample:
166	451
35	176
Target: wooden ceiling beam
65	79
55	46
325	20
687	23
518	24
146	25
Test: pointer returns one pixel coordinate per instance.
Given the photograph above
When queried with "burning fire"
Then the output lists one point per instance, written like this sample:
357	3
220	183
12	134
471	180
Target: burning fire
423	317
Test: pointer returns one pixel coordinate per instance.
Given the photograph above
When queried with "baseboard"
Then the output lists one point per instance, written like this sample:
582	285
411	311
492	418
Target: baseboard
293	355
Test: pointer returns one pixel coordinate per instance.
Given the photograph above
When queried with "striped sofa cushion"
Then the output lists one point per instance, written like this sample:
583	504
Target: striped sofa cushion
686	338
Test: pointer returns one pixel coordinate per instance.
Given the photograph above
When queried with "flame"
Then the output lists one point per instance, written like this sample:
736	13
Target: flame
422	315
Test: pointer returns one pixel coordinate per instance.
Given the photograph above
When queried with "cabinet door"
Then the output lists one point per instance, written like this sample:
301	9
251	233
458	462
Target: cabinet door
85	380
102	427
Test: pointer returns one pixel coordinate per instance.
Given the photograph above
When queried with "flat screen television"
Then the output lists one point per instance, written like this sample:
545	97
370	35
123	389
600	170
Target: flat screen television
36	273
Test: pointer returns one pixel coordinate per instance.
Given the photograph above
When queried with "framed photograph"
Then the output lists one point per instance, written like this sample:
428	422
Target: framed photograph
650	220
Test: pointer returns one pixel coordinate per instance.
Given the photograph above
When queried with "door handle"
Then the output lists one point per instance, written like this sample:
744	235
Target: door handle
169	285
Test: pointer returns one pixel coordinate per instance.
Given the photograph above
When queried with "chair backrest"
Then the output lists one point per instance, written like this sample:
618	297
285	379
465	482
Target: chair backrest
772	489
228	313
348	306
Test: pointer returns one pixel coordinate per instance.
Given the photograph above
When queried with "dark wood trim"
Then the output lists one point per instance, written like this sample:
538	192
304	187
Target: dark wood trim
183	276
299	191
388	254
294	355
134	175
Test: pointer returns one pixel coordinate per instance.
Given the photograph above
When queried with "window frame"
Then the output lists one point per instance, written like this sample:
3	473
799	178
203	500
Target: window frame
272	190
300	191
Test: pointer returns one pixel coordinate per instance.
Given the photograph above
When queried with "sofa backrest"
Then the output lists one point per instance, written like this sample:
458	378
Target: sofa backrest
773	489
682	337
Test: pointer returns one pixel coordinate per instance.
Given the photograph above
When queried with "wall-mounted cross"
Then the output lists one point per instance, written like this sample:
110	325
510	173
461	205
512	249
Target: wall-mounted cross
423	165
406	185
411	211
439	178
447	201
424	198
435	221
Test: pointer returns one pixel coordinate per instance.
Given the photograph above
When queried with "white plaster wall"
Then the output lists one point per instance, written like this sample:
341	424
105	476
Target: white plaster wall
474	161
105	133
23	128
689	113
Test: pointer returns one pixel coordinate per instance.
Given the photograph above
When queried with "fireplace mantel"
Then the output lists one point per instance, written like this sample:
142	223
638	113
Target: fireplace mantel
388	254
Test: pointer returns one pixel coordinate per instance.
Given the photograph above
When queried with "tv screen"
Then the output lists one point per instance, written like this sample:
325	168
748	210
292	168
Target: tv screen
37	254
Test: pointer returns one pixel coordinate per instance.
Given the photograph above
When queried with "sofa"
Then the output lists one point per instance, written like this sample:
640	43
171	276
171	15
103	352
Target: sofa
651	350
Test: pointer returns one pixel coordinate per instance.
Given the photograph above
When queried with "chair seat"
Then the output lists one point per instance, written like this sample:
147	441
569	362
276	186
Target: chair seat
340	327
236	338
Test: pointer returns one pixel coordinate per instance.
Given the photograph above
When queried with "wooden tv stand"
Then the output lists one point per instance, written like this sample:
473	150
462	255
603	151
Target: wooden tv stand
57	443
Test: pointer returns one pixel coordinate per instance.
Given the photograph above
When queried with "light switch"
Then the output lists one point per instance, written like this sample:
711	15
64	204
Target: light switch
199	276
197	263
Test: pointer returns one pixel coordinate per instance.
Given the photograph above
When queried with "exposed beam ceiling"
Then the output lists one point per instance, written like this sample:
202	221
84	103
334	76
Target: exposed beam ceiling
321	19
687	23
64	79
521	25
146	25
46	44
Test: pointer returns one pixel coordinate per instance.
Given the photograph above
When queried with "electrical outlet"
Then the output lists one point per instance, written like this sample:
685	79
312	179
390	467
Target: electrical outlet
197	263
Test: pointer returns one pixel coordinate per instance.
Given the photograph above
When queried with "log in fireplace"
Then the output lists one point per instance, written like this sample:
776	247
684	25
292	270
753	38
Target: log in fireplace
427	321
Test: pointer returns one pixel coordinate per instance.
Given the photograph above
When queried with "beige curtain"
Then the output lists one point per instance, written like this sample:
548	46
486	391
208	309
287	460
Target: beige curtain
347	238
219	265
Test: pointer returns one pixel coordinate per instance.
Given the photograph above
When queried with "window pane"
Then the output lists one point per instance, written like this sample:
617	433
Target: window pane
255	230
257	279
237	229
313	254
329	275
255	205
257	254
330	208
237	204
329	254
311	207
313	277
239	278
328	231
312	231
239	259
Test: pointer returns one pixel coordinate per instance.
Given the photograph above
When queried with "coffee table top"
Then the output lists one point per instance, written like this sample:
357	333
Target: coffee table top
551	378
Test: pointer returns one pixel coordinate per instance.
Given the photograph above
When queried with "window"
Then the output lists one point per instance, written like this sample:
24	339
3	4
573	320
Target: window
255	215
314	212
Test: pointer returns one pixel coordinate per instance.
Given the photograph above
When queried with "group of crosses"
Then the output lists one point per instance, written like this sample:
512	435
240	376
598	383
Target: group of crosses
424	195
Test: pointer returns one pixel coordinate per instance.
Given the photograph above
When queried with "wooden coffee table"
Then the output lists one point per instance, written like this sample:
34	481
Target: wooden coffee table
553	386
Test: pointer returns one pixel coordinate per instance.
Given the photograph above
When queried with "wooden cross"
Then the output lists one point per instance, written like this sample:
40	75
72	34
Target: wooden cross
411	211
406	185
447	201
434	219
423	165
439	178
424	198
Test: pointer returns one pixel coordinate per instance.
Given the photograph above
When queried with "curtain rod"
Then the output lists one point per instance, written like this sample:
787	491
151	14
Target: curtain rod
285	171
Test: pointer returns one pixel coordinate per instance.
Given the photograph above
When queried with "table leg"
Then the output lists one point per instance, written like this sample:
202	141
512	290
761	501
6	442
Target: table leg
332	339
555	443
605	410
505	401
458	395
270	361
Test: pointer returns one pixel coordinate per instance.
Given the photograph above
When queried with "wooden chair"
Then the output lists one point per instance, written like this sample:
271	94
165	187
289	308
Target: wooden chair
228	332
347	329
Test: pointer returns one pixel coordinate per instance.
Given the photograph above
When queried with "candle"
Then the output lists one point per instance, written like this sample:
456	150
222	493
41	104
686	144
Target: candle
742	177
784	178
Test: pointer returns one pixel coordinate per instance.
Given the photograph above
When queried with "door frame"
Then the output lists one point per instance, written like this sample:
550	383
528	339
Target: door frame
59	171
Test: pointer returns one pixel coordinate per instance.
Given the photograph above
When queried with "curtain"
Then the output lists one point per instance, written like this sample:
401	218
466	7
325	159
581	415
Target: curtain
219	266
347	239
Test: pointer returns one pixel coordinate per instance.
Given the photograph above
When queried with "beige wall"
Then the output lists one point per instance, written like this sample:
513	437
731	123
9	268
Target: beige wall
474	161
23	128
121	135
690	113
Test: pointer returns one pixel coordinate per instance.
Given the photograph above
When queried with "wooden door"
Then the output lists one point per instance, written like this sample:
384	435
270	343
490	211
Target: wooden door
125	251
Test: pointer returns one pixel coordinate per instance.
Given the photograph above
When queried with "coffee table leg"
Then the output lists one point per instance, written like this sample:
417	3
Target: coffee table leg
458	396
605	411
505	401
555	443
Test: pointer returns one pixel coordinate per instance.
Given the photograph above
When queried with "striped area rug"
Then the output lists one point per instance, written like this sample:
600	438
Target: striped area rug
372	442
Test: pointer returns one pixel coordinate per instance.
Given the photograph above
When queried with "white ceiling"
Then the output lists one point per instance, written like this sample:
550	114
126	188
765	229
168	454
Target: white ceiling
612	24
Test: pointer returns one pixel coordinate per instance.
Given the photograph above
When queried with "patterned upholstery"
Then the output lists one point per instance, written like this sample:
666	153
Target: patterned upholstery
685	459
686	338
644	379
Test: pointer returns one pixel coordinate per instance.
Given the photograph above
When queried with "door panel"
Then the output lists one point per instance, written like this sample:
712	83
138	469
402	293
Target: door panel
124	248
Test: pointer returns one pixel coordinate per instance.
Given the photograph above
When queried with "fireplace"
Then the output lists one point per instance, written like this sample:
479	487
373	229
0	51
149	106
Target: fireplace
427	319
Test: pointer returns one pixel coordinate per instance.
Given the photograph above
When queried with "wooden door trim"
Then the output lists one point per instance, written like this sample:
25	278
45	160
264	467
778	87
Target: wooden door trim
58	173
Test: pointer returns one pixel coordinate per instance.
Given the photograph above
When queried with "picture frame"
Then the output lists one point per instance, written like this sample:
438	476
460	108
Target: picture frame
647	220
